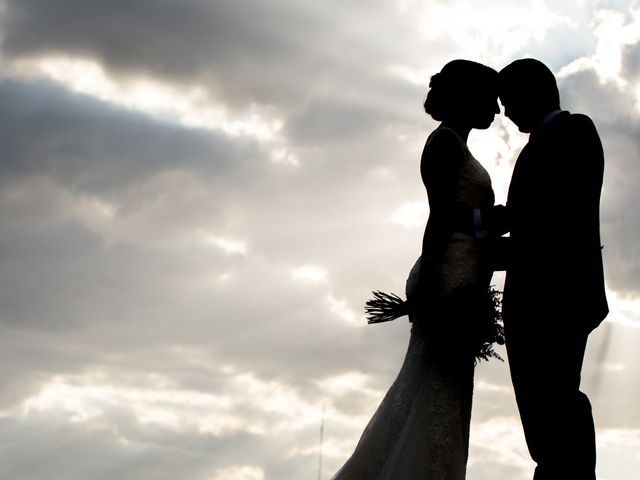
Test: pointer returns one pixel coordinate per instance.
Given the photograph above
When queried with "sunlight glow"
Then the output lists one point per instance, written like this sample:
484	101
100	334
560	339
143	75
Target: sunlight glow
239	473
613	367
348	381
309	274
229	246
502	28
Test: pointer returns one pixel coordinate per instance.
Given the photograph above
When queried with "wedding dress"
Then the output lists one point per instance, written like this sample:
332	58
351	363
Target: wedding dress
420	431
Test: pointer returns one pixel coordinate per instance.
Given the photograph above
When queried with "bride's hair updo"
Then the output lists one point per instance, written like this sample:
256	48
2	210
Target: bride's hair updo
454	89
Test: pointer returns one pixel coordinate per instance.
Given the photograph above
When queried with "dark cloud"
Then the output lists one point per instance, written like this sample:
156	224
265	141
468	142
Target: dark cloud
91	145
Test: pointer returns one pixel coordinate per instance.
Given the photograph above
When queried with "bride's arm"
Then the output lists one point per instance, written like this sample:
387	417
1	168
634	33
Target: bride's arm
439	167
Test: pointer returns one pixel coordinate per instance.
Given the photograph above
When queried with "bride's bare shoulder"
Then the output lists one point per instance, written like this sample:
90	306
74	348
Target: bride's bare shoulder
443	144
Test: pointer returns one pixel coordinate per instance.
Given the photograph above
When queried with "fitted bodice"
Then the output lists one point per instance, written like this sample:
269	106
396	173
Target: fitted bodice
462	263
473	183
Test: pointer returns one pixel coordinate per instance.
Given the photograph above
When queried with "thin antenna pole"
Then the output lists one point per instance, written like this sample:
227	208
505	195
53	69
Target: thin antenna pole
321	442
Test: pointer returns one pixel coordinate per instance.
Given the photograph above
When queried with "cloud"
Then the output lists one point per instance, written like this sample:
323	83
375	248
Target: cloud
87	143
177	41
198	198
244	52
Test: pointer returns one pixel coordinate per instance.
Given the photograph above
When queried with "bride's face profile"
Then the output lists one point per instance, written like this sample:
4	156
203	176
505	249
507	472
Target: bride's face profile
483	110
476	110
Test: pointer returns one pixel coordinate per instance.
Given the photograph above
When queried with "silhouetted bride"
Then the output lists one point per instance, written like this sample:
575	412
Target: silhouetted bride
421	428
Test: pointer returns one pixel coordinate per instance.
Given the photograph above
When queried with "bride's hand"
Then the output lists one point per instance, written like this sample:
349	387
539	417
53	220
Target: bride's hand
423	295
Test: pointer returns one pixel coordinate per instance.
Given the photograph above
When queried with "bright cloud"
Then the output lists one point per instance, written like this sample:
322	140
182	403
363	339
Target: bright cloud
310	273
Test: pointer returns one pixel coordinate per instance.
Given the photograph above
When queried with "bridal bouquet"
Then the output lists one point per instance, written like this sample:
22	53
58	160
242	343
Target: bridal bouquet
385	307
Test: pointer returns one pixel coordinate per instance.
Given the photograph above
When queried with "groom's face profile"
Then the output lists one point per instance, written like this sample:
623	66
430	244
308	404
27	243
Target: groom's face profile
519	111
528	92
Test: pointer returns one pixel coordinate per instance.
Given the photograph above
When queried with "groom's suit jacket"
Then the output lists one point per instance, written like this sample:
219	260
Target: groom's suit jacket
553	215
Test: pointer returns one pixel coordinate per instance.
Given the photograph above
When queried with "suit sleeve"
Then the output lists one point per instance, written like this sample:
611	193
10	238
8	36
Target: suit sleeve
575	191
568	214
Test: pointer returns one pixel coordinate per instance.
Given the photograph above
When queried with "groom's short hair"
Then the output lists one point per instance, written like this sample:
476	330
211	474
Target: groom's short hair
532	78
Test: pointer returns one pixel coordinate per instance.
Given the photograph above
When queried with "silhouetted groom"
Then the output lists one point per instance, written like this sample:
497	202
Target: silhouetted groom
554	289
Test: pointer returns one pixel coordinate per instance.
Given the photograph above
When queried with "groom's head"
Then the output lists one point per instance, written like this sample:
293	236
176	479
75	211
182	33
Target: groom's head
528	92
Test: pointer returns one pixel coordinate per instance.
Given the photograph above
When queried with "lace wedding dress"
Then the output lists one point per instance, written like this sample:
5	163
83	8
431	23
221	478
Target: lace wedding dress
420	431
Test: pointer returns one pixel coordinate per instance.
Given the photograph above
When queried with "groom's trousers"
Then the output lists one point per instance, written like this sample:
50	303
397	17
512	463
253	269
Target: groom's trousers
545	353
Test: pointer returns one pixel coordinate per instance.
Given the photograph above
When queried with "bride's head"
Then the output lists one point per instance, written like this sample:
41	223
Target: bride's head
464	93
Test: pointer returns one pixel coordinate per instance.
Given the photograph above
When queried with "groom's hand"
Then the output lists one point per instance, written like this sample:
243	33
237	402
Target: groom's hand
495	220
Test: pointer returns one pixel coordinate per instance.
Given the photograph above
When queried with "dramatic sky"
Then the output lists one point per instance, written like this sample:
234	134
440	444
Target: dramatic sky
197	197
